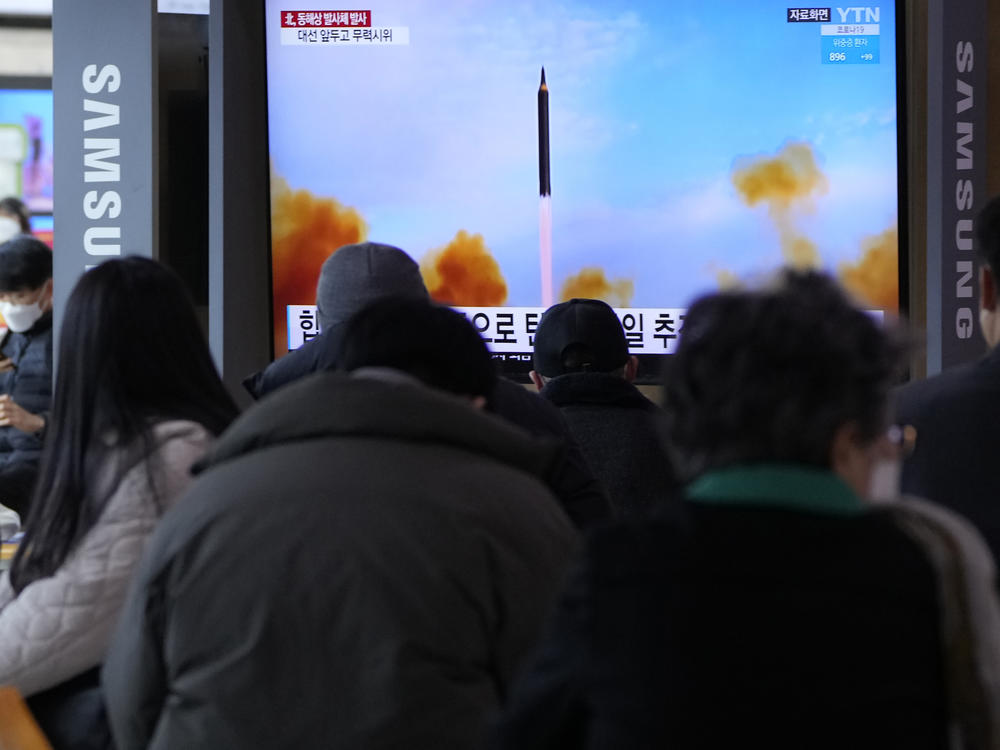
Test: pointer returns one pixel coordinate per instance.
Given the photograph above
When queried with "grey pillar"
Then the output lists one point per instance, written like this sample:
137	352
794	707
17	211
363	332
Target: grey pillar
104	84
956	176
239	258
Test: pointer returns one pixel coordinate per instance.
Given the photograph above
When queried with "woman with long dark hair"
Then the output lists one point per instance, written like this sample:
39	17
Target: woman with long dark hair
137	401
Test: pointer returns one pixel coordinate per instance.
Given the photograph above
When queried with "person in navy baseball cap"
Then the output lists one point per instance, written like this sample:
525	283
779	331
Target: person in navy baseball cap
580	335
583	366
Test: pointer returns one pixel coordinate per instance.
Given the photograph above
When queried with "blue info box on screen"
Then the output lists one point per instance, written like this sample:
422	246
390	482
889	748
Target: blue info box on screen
850	50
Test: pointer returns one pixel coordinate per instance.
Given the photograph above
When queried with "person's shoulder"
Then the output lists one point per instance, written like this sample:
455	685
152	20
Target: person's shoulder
527	409
176	445
596	389
182	434
970	381
315	355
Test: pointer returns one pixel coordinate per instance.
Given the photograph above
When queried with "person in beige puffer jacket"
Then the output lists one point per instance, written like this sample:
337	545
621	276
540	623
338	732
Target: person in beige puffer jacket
137	402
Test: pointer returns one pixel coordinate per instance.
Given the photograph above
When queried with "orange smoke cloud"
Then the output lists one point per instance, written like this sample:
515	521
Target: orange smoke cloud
874	279
591	283
785	183
725	278
463	272
305	231
798	250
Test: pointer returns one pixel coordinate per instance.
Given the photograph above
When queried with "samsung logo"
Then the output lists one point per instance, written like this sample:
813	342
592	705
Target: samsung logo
964	194
101	160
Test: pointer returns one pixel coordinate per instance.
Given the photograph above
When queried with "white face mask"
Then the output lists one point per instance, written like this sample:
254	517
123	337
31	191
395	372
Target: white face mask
20	318
8	228
883	486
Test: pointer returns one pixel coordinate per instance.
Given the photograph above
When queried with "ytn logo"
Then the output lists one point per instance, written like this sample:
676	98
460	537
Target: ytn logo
859	15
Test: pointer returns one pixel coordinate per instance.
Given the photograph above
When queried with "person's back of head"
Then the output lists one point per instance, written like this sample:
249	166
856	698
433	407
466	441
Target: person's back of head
132	346
434	344
580	335
778	375
131	353
356	275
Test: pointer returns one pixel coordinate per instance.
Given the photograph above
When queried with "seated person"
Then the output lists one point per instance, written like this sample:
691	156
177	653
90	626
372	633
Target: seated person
25	365
138	400
785	609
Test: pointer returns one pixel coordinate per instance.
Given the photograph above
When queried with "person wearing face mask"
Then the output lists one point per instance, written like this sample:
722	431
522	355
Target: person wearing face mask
783	608
956	413
25	365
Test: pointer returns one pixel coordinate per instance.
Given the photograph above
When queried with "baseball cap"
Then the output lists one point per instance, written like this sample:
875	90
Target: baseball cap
586	328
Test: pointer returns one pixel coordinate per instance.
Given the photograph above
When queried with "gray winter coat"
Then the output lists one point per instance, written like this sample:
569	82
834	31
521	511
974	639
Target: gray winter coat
363	565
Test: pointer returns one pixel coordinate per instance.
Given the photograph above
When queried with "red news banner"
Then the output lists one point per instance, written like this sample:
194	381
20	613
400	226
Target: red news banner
337	28
296	19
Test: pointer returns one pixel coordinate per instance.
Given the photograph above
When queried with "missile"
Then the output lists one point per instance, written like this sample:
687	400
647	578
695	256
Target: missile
544	195
544	185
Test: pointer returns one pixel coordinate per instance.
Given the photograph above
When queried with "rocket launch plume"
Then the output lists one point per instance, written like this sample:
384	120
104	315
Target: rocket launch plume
463	272
305	231
591	283
545	194
784	183
874	279
545	247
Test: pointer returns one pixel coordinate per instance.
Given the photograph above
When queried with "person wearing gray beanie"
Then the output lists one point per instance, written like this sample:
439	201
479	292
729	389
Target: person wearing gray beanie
352	277
357	275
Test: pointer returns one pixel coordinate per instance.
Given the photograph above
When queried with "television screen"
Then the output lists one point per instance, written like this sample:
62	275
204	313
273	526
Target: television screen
635	151
26	147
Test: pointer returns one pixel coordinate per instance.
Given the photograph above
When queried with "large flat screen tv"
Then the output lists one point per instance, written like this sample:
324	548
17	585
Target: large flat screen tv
641	152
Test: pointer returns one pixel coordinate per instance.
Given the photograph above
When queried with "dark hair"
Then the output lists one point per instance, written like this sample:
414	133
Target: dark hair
772	375
434	344
25	263
987	228
15	209
131	353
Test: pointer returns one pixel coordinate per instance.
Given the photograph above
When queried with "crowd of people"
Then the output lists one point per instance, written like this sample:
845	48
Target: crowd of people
396	547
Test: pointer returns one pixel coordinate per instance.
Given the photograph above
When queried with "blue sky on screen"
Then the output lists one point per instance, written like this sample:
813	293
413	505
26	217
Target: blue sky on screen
651	105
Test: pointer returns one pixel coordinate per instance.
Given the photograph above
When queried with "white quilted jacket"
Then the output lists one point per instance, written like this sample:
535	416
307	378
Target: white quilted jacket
60	626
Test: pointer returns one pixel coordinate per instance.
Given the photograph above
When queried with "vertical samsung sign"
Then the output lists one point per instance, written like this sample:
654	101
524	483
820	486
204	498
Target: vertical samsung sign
957	63
104	84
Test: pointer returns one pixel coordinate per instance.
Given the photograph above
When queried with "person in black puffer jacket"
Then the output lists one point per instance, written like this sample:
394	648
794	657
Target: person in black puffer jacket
25	365
782	607
583	366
